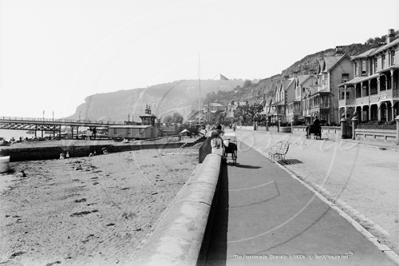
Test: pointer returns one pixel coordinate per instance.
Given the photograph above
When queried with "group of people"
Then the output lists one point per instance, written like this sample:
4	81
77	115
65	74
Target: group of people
217	141
314	128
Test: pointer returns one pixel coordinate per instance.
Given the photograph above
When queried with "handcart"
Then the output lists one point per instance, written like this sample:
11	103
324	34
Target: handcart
230	144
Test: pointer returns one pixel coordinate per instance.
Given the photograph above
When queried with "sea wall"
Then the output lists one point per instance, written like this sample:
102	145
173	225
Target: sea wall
47	153
180	235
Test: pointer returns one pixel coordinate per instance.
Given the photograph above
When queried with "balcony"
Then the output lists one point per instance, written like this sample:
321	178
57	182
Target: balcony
306	113
362	100
372	99
295	112
343	103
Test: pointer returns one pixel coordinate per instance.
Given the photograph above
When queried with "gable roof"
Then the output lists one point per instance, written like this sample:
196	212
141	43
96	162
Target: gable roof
330	62
303	78
288	83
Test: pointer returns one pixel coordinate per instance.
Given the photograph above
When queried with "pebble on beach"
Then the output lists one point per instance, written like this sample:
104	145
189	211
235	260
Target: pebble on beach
89	217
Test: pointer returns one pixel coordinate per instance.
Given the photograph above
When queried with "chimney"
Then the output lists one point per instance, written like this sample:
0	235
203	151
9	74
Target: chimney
339	50
391	35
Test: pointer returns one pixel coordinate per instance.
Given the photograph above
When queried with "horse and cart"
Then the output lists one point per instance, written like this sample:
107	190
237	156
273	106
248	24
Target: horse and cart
315	130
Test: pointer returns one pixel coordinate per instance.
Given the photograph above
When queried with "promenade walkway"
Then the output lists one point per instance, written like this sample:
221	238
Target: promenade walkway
266	217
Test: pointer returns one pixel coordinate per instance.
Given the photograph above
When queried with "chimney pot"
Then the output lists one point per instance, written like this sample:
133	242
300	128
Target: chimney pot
391	35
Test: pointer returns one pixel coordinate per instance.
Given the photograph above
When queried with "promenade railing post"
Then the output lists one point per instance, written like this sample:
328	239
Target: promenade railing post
397	130
278	124
354	124
292	125
343	128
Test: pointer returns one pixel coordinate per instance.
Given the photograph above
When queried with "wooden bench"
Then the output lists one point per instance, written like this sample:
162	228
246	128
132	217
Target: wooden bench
279	150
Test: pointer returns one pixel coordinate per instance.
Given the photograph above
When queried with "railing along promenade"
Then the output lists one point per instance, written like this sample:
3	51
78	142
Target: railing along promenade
62	121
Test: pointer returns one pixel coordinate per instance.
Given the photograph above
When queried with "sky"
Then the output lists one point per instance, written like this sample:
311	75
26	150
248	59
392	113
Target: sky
55	53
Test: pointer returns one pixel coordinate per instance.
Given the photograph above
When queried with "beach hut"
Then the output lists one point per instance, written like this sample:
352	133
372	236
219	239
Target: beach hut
185	132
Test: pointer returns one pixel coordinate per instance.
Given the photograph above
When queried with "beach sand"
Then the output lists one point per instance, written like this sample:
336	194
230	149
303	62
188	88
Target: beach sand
87	211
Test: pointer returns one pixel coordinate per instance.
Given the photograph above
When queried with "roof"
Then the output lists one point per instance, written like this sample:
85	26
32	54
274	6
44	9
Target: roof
359	79
279	103
384	47
364	55
314	89
130	126
216	104
287	83
147	115
302	78
330	61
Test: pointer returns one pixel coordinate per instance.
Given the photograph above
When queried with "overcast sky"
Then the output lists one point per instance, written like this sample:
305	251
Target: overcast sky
53	54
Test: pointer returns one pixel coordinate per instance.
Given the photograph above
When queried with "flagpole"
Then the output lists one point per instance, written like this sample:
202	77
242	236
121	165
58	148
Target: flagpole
199	88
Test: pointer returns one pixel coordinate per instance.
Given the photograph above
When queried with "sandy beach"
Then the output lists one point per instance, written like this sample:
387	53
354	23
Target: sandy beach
90	210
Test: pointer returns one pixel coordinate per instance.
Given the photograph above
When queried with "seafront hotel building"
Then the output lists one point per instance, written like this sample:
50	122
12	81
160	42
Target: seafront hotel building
374	91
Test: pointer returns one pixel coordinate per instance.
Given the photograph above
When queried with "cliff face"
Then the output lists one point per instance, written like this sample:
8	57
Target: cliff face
182	96
179	96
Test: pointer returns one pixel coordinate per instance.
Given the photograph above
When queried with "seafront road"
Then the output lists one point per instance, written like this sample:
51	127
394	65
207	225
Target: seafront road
265	216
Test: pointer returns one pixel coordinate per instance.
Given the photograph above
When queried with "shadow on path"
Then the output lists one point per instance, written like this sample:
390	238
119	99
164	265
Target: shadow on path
217	250
247	166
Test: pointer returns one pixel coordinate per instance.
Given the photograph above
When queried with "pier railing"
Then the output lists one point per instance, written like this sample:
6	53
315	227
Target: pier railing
61	120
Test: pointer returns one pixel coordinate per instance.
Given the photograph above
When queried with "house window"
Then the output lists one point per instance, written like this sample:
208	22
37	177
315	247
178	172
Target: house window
364	67
345	77
375	64
356	69
343	95
383	61
128	131
392	57
115	131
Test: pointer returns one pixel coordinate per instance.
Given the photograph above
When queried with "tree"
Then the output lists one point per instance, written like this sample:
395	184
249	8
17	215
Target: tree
250	112
177	118
247	83
167	119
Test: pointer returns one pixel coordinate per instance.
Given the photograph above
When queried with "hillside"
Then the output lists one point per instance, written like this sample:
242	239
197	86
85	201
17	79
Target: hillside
181	96
255	92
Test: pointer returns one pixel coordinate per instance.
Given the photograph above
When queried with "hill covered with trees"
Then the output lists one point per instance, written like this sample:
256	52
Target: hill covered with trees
254	92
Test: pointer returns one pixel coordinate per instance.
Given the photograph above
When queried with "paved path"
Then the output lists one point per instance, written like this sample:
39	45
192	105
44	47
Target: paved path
361	178
266	217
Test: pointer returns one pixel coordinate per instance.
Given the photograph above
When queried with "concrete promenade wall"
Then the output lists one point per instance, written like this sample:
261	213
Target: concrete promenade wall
327	132
386	136
45	153
179	237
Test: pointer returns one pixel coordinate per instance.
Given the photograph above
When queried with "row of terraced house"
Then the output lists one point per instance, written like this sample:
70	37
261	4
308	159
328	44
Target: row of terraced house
366	84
